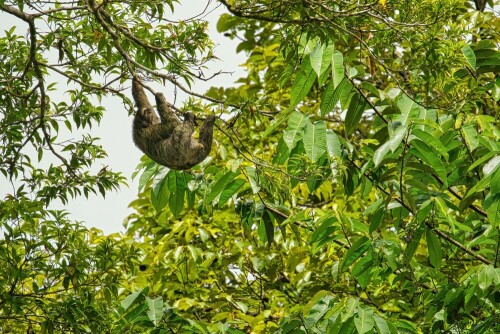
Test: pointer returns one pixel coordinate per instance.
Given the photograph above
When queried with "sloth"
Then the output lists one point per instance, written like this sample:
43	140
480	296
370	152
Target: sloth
165	139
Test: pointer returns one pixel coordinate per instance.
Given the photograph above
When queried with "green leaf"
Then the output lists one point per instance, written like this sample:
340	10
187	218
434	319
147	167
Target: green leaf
479	186
325	64
136	315
230	190
317	58
283	116
177	187
482	159
286	75
470	136
487	60
380	153
493	211
431	141
226	22
377	219
329	99
303	82
434	248
337	68
282	153
351	305
364	320
155	312
253	178
382	325
295	130
365	263
266	229
333	145
405	327
443	208
427	155
470	56
424	211
315	140
346	90
131	299
491	165
356	250
147	174
242	306
486	276
219	186
290	325
323	233
396	138
495	94
354	112
495	182
405	105
160	194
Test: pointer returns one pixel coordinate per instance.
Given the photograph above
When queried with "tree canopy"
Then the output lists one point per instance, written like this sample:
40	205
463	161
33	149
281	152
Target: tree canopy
353	184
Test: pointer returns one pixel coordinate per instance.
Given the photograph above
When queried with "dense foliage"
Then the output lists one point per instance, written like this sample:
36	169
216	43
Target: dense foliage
353	187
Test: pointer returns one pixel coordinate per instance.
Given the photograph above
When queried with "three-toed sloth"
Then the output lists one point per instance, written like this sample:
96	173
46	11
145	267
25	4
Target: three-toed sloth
166	139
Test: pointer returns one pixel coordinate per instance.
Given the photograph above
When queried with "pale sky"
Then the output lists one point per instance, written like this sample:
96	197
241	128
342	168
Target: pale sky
108	213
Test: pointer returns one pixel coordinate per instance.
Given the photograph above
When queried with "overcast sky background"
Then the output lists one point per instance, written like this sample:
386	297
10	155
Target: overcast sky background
109	213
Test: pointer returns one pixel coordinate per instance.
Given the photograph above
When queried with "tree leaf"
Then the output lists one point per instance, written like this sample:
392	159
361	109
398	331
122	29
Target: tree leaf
325	64
155	312
434	248
333	145
377	219
315	140
479	186
470	56
485	276
493	211
267	222
226	22
317	58
364	320
329	99
396	138
380	153
414	242
495	182
177	187
354	112
431	141
356	250
131	299
351	305
303	82
283	116
482	159
491	165
160	194
253	178
381	325
282	153
470	136
346	91
337	68
219	186
230	190
427	155
295	130
405	105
